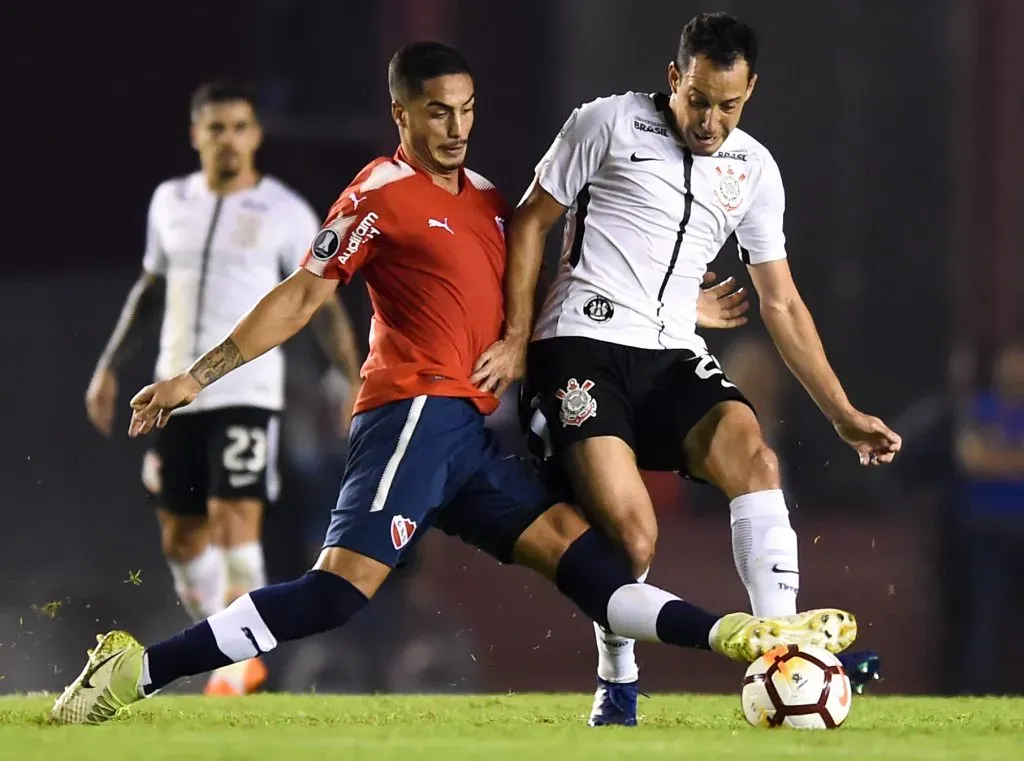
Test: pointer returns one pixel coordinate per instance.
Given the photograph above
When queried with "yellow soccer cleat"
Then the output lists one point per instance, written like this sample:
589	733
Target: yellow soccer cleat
108	683
745	638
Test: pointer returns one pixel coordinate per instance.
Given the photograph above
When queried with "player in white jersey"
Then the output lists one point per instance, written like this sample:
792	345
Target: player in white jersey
216	241
616	376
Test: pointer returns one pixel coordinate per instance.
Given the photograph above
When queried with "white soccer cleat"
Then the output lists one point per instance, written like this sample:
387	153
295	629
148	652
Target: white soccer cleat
108	683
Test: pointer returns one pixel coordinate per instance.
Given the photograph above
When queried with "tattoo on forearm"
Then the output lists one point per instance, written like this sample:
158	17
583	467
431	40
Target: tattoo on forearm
217	363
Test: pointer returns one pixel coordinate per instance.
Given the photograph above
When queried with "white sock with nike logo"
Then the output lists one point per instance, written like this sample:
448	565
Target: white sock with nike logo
764	547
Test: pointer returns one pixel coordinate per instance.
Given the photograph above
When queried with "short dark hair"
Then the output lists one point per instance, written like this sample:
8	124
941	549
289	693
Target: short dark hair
220	91
417	62
719	37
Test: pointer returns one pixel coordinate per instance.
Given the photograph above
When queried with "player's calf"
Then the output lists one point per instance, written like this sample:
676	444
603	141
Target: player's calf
323	599
197	566
727	449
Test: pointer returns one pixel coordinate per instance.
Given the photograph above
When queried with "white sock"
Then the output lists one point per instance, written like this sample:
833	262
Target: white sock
634	610
239	630
764	547
201	583
616	660
246	571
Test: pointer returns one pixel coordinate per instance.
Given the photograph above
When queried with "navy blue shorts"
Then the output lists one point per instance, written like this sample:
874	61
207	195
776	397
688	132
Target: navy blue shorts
430	461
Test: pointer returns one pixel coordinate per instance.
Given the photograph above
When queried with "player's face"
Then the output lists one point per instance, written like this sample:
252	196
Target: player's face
707	101
436	124
226	135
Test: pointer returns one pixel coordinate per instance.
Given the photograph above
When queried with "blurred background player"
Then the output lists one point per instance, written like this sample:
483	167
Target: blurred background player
990	453
216	241
616	373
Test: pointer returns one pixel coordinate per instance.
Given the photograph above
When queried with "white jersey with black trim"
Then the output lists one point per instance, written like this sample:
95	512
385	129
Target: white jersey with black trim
219	256
646	218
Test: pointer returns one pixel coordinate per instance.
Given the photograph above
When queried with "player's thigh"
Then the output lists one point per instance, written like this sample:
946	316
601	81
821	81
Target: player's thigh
241	451
176	472
400	461
575	392
727	448
675	393
498	501
607	484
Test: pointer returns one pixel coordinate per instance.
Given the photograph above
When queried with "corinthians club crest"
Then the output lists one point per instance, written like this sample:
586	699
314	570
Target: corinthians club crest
578	405
729	192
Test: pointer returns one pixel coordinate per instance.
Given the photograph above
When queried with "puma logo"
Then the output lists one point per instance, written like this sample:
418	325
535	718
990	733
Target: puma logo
442	225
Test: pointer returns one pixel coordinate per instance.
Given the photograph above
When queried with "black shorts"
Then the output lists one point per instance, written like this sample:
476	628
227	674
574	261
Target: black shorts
579	388
229	453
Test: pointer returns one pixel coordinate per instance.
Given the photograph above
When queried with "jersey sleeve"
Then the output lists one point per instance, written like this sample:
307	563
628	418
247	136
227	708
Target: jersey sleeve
350	236
154	259
578	150
304	224
760	235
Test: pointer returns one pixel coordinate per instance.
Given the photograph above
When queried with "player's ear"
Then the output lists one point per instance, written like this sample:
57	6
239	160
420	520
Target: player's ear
673	76
398	113
192	130
750	85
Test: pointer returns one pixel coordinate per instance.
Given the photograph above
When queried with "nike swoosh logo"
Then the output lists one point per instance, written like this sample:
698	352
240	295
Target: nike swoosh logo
779	569
87	681
638	159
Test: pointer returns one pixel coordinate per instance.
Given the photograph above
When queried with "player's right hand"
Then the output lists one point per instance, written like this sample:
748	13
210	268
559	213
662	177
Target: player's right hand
153	405
101	399
501	363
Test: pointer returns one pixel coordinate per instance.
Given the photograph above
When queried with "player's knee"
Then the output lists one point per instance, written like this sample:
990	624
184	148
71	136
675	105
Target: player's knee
763	466
182	541
235	522
362	572
639	541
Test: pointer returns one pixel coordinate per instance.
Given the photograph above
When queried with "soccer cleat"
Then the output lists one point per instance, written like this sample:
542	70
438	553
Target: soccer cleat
861	667
746	638
235	679
614	703
108	683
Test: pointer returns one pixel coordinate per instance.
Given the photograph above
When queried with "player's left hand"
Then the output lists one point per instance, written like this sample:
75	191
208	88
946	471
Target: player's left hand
721	306
873	440
501	363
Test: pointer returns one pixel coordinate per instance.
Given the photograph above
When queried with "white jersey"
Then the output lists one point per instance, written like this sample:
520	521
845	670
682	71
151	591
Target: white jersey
219	256
646	219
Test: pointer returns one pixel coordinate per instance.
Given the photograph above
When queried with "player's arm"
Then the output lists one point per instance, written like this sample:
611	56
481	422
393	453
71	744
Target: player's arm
573	158
139	317
983	453
337	340
762	247
276	317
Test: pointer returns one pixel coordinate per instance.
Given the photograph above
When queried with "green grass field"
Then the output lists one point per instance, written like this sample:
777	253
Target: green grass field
532	727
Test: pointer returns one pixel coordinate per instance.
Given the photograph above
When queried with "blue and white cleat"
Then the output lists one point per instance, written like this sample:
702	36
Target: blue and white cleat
614	703
861	667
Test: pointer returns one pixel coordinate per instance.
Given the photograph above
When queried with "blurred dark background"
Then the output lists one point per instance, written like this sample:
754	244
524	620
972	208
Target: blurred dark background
896	125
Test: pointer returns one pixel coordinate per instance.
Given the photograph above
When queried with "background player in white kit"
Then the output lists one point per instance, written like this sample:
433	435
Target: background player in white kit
616	376
216	241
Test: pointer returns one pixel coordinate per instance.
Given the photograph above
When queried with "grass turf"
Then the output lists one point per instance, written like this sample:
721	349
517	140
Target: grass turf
534	727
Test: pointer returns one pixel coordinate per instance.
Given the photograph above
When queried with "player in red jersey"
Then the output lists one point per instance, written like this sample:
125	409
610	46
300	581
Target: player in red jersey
427	235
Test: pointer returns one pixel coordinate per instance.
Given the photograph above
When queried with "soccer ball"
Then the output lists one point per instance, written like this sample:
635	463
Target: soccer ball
799	687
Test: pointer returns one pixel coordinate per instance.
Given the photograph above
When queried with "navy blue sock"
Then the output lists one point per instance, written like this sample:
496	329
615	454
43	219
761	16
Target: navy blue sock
253	624
590	571
593	569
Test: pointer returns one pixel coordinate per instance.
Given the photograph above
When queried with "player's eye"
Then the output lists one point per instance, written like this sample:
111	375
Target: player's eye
241	126
697	103
728	107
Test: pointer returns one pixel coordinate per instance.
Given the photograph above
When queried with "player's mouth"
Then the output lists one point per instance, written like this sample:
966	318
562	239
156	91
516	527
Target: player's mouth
454	149
701	140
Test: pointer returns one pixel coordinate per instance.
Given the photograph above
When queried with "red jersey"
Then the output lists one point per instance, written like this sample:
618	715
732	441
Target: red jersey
434	264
